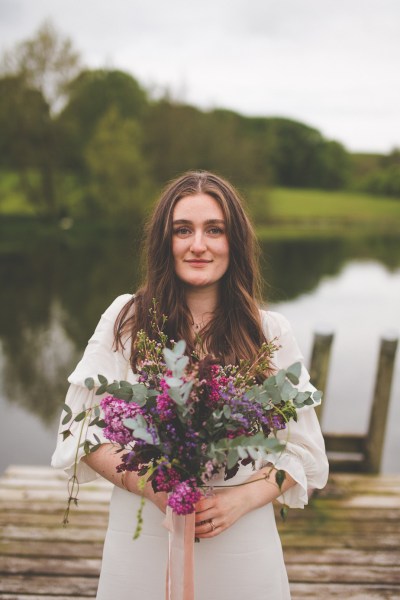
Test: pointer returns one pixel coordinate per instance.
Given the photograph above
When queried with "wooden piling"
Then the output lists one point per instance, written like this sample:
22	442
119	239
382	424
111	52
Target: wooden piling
375	438
319	366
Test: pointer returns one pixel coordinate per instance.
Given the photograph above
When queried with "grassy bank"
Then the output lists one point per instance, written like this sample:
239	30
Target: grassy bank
290	213
277	212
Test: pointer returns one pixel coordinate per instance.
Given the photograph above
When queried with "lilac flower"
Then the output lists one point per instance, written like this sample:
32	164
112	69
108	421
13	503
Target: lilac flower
184	497
115	411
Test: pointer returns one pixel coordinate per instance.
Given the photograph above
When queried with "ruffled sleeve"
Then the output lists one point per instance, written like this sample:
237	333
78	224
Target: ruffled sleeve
100	357
304	457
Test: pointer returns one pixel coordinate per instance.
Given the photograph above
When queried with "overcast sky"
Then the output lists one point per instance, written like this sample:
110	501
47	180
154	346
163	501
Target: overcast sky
333	64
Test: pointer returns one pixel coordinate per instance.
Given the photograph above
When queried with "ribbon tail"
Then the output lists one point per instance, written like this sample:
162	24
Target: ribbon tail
180	569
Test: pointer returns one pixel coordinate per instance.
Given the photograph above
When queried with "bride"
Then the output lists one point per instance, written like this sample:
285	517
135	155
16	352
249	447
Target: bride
202	270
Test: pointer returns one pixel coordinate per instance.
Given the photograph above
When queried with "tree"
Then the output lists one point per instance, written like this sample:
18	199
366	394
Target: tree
27	142
91	95
118	172
47	62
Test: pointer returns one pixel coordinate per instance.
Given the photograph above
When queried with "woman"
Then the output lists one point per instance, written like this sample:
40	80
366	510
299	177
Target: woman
202	271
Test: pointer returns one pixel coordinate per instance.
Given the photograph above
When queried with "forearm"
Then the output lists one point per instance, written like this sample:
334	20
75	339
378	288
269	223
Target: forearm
263	488
105	461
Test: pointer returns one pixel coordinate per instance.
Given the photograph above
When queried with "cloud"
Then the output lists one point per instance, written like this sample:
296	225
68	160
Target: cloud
332	64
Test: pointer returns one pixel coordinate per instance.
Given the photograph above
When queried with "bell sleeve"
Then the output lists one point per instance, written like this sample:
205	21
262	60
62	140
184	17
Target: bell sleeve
100	357
303	457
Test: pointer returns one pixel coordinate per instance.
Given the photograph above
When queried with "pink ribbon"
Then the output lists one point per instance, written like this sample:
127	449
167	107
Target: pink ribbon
180	569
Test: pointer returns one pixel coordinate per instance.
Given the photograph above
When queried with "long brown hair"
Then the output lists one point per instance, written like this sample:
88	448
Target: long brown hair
235	330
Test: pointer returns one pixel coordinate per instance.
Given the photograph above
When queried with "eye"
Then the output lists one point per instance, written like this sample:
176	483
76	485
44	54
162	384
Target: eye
182	231
216	230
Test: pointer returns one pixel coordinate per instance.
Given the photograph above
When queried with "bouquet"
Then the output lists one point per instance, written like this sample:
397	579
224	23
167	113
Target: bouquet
184	421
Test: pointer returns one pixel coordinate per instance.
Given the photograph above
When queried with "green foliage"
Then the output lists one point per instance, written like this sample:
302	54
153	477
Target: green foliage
117	170
46	62
92	144
92	95
378	175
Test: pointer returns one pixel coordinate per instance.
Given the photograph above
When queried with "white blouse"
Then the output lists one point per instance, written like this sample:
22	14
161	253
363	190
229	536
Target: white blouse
303	458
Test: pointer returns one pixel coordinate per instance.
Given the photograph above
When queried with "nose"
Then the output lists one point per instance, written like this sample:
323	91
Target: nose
198	244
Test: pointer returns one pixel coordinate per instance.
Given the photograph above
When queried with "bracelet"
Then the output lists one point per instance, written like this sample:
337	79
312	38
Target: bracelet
266	479
123	483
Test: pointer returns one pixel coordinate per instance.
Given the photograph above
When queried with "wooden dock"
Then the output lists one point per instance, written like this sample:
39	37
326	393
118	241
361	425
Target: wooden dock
345	545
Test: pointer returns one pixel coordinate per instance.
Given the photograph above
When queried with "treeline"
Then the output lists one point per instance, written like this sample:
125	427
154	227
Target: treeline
93	143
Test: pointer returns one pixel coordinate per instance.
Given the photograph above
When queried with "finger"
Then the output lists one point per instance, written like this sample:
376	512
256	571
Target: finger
206	526
204	515
203	504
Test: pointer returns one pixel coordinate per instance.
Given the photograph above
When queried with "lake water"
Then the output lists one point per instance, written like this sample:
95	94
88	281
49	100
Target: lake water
55	290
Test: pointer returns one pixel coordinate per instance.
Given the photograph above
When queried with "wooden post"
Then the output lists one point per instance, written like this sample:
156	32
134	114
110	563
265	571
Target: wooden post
320	363
377	424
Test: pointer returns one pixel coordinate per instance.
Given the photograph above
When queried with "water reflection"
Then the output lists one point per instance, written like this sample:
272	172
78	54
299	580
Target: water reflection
57	288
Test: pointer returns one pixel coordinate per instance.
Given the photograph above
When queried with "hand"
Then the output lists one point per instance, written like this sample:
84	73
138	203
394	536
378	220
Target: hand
159	499
214	514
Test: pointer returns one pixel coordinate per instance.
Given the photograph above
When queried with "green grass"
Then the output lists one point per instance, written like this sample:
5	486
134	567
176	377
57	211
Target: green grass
287	203
296	213
277	212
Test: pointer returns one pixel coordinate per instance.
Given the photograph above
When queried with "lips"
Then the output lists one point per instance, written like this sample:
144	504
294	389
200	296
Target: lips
198	262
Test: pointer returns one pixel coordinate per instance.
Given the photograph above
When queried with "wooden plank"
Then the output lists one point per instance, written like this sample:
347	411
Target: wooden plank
54	586
355	574
28	565
41	548
345	544
41	597
318	591
343	556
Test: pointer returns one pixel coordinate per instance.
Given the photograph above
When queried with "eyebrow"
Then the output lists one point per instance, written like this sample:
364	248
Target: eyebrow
208	222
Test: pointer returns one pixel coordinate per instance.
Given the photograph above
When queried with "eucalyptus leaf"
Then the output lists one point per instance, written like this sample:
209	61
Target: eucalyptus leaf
113	387
65	434
124	394
179	348
181	364
232	458
253	452
283	512
89	382
280	477
280	377
301	397
101	389
241	452
309	402
102	379
185	390
175	395
293	373
80	416
173	382
67	408
66	419
125	384
317	395
139	392
170	358
227	411
142	434
96	437
94	448
288	392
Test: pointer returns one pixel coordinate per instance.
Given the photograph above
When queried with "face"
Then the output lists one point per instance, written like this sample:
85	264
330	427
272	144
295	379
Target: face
199	242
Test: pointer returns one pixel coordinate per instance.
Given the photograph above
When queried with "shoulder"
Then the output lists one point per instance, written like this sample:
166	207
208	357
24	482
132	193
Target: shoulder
111	313
274	324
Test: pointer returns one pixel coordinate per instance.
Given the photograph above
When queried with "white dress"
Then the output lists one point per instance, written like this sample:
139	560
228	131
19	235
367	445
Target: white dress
245	560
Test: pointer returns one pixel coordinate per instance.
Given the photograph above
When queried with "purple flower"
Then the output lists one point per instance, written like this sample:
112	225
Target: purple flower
184	497
115	411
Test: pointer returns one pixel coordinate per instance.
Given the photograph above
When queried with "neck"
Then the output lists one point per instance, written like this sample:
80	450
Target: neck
202	303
